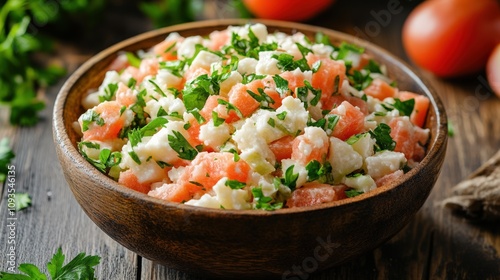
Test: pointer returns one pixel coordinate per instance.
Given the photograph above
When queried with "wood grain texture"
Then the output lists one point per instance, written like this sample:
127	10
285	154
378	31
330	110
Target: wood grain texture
435	244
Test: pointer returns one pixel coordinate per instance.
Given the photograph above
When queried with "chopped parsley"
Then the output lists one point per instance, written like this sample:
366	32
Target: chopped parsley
281	85
252	77
106	160
235	184
264	202
382	135
404	107
109	92
290	179
181	146
250	47
353	193
157	88
286	62
216	119
315	67
230	107
319	172
90	117
133	60
197	91
282	115
134	157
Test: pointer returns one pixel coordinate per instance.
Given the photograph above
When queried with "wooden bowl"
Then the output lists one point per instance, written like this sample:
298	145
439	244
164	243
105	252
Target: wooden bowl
249	243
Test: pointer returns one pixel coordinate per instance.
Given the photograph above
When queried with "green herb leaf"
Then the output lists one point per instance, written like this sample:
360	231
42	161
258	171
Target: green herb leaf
134	157
230	107
23	201
216	119
109	92
281	116
404	107
235	184
382	135
252	77
321	38
81	268
264	202
353	193
197	91
180	145
290	179
133	60
286	62
281	85
90	117
6	155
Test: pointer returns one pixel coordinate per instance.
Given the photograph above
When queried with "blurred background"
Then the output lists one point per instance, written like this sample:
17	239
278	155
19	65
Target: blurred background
44	40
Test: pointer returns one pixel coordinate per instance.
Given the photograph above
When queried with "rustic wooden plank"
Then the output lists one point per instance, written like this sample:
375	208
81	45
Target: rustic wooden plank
55	219
462	249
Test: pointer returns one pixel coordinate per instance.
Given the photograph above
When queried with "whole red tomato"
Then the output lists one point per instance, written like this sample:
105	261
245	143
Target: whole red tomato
452	37
493	70
291	10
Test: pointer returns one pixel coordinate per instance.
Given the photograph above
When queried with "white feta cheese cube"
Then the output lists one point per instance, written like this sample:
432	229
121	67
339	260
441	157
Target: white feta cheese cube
267	65
383	163
204	59
226	85
364	145
247	65
362	183
214	136
296	115
343	159
187	48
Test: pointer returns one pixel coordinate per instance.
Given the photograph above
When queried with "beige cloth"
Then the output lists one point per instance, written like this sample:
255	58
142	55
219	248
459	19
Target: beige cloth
478	197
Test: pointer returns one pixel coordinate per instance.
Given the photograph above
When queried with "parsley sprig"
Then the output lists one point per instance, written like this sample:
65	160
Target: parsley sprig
81	268
6	155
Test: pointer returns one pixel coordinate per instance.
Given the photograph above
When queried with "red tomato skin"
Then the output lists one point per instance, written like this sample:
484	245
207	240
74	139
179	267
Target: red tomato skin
291	10
493	70
452	37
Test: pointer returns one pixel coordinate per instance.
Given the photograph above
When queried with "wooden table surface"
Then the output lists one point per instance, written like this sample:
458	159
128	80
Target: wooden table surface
436	244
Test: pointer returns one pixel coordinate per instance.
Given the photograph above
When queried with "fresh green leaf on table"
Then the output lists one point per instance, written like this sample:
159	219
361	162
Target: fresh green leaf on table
23	201
79	268
6	155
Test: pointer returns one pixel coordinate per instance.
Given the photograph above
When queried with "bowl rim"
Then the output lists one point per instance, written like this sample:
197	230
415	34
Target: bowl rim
63	142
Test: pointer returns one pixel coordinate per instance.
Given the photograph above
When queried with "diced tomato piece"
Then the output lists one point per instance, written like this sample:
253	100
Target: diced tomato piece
389	178
403	134
422	103
113	120
208	168
128	179
120	63
219	39
326	76
316	193
305	149
171	192
351	121
282	148
241	99
193	73
161	50
124	95
380	89
294	80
